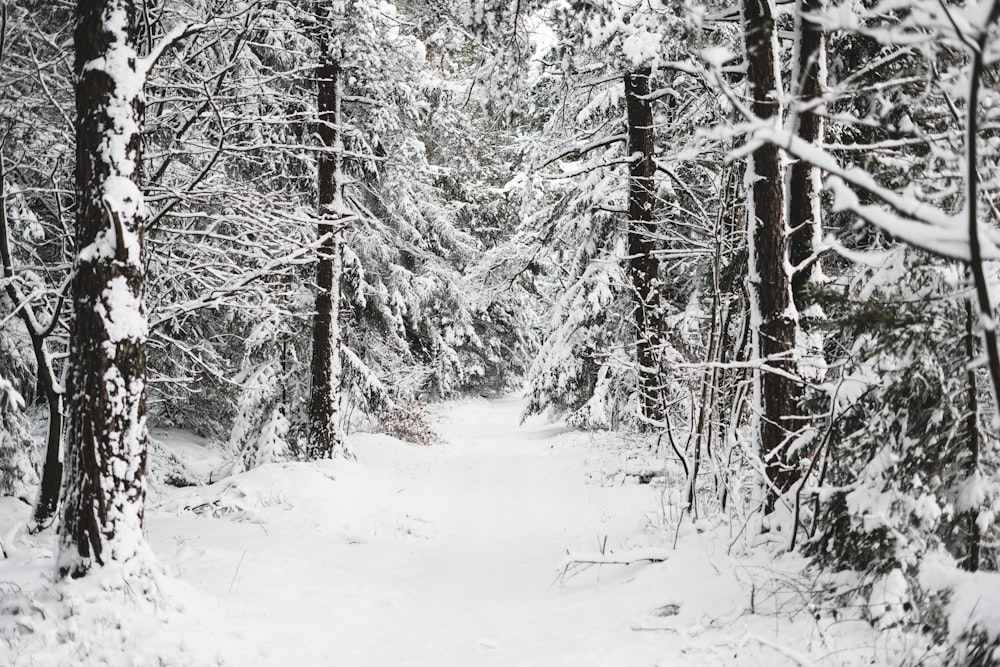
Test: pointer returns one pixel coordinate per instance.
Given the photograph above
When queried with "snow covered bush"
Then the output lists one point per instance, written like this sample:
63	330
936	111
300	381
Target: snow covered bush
409	423
20	453
261	428
968	630
908	462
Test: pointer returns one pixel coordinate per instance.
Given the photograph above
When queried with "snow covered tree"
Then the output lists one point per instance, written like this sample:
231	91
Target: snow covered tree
232	240
229	181
414	313
808	78
644	272
909	457
104	486
35	213
909	467
611	217
775	326
104	490
325	437
45	372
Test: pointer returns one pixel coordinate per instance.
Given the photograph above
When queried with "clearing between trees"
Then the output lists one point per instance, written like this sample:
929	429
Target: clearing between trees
500	545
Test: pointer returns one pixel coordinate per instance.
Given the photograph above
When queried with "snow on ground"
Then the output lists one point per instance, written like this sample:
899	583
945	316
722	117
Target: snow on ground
441	556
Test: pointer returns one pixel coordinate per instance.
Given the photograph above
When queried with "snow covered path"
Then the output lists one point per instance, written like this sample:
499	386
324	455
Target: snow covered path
446	556
428	556
442	556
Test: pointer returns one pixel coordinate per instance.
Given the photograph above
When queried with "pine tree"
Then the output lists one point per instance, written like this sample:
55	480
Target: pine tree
104	491
775	329
325	437
617	191
644	272
104	487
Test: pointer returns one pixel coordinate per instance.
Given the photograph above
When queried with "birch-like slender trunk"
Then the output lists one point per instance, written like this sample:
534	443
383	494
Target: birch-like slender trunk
977	266
987	316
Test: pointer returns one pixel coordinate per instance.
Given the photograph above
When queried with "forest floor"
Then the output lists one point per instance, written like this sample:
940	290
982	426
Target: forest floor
450	555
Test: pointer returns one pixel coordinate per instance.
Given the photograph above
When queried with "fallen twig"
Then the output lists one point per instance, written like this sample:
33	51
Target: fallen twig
624	558
581	560
787	652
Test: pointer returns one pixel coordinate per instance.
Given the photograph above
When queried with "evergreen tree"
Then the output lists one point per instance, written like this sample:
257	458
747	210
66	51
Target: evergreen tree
630	194
104	490
325	437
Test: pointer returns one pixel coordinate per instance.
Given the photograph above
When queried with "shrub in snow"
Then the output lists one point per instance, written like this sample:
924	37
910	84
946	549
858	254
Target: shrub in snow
969	624
18	473
261	427
18	453
131	615
409	423
270	446
906	468
889	600
166	468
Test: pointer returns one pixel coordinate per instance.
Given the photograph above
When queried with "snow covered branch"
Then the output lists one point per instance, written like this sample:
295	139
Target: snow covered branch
652	555
919	224
578	560
176	34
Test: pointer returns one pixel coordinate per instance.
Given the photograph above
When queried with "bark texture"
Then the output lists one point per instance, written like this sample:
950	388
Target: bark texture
987	313
777	321
104	488
325	438
643	265
803	182
974	539
48	493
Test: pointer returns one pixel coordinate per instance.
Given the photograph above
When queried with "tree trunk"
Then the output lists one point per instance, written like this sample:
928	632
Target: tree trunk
48	496
974	540
104	490
773	310
48	493
325	438
987	314
643	266
804	185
